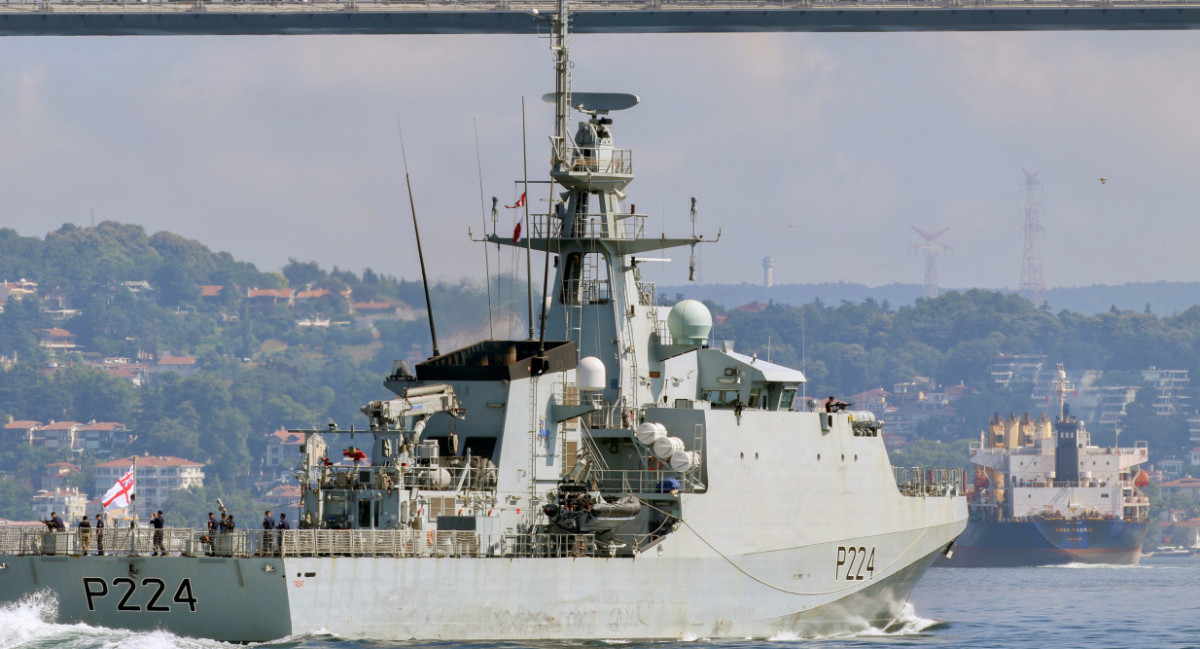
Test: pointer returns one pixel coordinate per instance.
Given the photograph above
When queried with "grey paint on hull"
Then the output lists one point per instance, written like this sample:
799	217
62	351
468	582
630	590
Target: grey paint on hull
238	600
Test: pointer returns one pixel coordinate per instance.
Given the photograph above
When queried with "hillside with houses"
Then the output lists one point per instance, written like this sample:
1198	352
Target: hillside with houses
116	344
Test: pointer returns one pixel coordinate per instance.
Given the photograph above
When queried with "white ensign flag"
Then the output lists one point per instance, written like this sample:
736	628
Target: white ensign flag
121	493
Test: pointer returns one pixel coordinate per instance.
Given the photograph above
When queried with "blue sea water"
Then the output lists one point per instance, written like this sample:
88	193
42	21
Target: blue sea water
1154	605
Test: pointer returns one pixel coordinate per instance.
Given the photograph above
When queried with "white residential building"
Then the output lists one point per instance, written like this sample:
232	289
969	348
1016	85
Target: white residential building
70	503
156	478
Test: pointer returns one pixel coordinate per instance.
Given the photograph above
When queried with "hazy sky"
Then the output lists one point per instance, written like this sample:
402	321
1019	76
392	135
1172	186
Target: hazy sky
820	150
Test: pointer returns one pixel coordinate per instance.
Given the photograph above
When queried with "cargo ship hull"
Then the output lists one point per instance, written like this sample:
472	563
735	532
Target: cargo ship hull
1044	542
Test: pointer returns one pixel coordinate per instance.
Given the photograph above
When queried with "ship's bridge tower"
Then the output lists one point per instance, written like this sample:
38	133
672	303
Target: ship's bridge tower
597	298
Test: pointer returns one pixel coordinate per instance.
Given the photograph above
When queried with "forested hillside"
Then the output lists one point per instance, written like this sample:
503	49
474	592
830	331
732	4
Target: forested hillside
307	346
129	299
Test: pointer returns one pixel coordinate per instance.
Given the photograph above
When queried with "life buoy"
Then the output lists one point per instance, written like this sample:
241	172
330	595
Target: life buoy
429	537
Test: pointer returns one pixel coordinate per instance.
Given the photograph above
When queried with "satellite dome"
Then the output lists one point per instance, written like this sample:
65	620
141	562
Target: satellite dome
689	323
590	375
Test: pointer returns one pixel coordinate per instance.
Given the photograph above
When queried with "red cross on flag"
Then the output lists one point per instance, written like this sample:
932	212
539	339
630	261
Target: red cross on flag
121	493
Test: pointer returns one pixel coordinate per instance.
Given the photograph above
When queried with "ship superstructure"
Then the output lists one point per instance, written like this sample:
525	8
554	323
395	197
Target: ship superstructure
612	477
1044	494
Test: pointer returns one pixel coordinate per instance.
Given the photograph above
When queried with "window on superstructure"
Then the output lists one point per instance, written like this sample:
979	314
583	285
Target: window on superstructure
789	396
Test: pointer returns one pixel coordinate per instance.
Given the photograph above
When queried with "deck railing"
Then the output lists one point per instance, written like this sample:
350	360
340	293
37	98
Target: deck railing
299	543
919	481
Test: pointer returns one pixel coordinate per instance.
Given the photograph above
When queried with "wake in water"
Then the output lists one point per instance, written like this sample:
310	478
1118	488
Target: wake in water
30	624
1098	566
906	624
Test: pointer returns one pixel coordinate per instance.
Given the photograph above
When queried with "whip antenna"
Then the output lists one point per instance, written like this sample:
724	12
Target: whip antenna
417	232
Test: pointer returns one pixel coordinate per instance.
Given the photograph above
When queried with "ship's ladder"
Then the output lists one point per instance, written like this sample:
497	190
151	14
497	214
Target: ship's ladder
630	349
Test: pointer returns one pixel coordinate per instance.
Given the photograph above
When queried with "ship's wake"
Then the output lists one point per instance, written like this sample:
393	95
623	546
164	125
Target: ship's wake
906	623
31	624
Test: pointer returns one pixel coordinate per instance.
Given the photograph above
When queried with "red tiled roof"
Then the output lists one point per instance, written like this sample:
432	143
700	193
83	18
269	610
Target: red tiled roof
289	438
1186	483
177	360
874	392
285	491
23	423
55	332
753	307
210	291
320	292
61	425
151	460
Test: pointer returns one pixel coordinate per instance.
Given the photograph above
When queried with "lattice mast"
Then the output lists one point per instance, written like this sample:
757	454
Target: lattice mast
931	248
1032	287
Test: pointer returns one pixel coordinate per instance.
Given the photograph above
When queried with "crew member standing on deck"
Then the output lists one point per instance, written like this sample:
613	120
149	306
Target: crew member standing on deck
99	535
212	531
281	526
85	534
268	538
157	522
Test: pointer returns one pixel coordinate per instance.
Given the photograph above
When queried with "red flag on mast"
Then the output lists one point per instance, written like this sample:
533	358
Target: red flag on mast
520	202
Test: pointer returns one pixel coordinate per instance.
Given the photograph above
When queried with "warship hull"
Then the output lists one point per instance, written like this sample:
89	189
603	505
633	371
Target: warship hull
651	595
1042	542
613	478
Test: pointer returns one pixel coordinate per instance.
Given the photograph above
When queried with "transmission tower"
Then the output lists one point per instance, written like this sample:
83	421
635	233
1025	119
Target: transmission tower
931	249
1032	287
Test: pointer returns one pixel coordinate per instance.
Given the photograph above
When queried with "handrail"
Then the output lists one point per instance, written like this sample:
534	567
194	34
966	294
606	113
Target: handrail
919	481
188	542
577	6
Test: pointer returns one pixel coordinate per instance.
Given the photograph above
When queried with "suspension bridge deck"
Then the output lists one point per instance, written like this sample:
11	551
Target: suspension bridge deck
226	17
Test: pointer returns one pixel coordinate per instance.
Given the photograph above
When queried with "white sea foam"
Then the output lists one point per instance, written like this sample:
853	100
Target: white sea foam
907	623
1096	566
30	624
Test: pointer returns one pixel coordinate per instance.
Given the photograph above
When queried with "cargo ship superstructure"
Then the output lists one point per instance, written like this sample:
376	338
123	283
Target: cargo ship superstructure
1045	495
612	477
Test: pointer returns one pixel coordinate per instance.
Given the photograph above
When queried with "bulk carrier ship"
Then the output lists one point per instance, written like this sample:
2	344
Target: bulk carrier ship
614	477
1044	495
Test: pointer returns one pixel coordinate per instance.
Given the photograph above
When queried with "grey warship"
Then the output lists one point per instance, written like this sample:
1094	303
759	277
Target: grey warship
613	478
